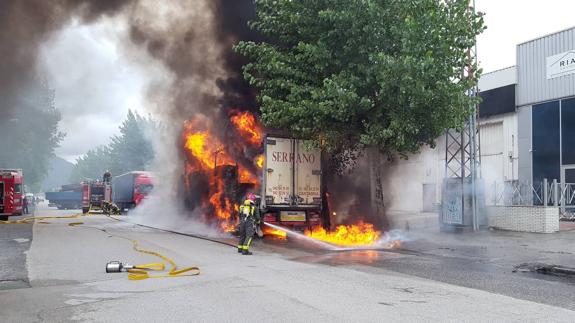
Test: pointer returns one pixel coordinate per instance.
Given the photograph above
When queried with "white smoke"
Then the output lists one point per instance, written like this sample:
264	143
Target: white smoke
175	98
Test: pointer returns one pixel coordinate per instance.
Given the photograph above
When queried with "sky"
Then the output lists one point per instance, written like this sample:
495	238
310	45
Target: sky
511	22
96	82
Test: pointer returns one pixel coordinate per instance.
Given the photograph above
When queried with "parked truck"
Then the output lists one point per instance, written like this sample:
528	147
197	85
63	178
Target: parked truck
291	184
130	189
11	192
67	197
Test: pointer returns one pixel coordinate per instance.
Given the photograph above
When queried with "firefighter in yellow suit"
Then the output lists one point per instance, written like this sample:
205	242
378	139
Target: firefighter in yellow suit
249	217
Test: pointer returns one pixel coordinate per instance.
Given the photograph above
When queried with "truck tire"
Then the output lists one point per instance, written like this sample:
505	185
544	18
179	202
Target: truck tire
3	218
85	210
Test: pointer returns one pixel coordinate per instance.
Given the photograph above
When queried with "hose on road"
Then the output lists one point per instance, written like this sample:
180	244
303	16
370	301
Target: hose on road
178	233
139	272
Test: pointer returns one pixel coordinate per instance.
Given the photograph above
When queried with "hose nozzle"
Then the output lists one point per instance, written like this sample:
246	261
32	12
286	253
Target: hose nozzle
117	267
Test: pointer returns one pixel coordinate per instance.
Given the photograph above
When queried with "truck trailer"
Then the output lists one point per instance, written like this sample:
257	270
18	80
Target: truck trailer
291	184
11	192
130	189
68	197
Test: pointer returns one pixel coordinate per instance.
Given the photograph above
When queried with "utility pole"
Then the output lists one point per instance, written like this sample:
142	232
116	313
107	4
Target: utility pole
463	162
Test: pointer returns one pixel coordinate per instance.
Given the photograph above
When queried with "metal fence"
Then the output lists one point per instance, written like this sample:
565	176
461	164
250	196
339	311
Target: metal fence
544	193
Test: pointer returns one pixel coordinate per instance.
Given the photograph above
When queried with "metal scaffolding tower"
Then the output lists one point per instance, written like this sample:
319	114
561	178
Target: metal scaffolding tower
463	162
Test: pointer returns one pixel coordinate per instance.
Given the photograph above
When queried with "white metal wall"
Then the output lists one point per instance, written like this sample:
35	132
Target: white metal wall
492	152
533	85
403	180
499	150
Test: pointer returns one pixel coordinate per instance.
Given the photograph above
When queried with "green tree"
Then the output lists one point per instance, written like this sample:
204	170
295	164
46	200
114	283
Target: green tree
29	135
92	165
355	73
129	151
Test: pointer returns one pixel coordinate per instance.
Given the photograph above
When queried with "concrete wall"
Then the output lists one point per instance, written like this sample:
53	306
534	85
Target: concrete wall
524	218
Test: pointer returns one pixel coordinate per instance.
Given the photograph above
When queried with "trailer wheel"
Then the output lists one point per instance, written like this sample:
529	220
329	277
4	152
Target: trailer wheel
85	210
3	218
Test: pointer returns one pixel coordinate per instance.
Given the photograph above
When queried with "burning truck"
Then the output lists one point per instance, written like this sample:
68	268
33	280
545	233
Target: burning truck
225	161
282	170
291	184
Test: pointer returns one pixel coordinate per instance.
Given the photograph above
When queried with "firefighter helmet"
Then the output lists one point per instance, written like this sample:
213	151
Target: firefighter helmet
251	197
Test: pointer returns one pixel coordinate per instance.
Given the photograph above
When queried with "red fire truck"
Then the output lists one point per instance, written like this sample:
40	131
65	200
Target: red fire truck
11	192
94	194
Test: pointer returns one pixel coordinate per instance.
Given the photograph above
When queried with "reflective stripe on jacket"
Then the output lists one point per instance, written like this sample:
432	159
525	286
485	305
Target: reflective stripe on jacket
247	211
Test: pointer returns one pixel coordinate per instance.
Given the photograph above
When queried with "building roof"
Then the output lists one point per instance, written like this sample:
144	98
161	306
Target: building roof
497	79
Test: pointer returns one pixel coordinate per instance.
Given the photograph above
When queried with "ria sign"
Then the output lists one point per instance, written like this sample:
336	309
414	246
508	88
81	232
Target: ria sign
561	64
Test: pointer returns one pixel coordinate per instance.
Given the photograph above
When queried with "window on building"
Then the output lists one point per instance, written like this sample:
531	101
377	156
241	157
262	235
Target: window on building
546	161
568	131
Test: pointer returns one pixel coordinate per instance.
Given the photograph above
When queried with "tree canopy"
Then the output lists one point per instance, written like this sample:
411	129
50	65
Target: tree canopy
355	73
129	151
29	135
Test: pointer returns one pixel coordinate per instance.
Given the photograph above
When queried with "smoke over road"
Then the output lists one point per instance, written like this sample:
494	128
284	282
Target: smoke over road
199	79
191	39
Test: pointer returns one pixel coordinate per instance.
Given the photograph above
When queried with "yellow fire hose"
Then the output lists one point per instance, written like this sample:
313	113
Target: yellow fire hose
30	219
140	272
137	272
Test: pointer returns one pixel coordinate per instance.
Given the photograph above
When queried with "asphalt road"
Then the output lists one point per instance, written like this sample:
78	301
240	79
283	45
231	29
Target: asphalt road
460	265
66	281
15	240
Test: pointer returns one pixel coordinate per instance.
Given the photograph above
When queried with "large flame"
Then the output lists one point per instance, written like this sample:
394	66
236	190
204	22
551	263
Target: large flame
207	150
209	157
360	234
248	127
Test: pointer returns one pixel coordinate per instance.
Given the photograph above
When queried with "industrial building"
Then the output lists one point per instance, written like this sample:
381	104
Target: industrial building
526	125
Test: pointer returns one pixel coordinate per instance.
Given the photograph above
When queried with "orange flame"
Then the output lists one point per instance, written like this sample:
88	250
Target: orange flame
361	234
207	153
248	128
247	177
278	234
207	150
260	161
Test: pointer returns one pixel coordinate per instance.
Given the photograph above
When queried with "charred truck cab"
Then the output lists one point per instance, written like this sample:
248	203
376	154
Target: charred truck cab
11	192
291	184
